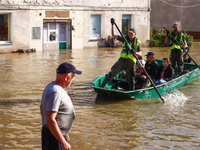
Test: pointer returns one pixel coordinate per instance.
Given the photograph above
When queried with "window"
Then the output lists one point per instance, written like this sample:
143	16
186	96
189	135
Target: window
45	32
95	26
4	28
126	23
62	32
50	32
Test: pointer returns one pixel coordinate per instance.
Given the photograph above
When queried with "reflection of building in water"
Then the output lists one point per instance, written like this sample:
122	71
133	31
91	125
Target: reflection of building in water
65	25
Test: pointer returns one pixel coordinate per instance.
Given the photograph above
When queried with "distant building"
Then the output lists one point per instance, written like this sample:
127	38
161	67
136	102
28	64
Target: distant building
184	12
68	24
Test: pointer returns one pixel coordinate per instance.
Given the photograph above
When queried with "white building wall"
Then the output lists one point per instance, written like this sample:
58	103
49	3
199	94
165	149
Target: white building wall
77	33
140	21
25	16
20	35
36	20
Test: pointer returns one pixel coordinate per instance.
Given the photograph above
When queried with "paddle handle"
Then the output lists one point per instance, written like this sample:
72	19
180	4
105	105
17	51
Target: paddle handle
134	54
183	49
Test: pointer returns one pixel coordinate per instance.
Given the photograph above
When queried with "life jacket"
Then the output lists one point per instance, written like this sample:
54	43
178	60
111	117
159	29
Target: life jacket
126	53
179	38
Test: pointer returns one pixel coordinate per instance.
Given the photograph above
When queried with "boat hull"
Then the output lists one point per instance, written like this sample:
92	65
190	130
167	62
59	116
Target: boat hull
147	93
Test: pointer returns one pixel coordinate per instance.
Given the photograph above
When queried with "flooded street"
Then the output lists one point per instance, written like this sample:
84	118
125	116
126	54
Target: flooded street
101	123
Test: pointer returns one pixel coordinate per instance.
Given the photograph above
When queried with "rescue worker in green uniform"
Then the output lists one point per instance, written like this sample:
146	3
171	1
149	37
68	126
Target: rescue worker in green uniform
176	50
126	61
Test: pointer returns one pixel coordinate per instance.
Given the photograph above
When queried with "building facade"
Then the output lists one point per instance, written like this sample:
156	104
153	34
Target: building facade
183	12
61	24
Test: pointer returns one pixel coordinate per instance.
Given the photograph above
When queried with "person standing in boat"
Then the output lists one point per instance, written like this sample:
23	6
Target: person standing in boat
126	61
176	50
57	110
151	66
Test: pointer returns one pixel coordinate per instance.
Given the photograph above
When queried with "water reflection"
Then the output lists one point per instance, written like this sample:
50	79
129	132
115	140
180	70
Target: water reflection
102	122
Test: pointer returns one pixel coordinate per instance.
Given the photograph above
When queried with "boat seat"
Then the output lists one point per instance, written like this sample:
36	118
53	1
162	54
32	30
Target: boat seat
120	80
121	83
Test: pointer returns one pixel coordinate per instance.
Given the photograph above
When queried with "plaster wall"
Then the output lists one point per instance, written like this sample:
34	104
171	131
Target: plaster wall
77	33
19	27
36	20
26	14
78	3
184	12
140	21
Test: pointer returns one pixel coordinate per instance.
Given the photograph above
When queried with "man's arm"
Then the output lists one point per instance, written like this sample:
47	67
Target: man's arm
156	74
166	40
112	31
139	53
184	42
185	45
55	130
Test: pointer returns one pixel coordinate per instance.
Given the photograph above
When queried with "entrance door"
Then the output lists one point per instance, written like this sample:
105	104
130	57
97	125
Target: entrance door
56	35
50	32
63	36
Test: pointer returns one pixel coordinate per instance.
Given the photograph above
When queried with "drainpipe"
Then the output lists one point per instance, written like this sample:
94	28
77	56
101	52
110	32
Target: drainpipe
149	5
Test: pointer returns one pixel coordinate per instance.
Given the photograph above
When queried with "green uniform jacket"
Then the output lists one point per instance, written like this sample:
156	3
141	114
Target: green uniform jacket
135	45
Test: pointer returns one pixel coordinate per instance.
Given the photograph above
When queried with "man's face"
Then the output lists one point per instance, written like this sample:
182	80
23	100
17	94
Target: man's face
176	29
150	58
68	79
131	35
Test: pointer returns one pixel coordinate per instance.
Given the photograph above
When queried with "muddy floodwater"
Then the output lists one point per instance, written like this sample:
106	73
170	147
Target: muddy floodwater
101	123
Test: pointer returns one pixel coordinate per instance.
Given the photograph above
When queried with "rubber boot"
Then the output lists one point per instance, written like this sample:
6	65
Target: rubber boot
105	81
131	85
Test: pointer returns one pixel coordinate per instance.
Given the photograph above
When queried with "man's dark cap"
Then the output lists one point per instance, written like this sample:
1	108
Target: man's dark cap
65	68
150	54
175	25
132	30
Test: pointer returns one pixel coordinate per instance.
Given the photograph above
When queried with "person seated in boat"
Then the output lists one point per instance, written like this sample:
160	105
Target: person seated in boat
165	72
152	67
138	75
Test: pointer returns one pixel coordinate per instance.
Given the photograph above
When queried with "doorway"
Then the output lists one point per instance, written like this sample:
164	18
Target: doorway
56	35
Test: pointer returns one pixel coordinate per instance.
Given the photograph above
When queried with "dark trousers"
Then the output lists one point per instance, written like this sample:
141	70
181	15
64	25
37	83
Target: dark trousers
122	64
177	58
49	142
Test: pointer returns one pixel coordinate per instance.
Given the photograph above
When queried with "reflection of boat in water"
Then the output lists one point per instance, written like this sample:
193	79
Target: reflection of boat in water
114	87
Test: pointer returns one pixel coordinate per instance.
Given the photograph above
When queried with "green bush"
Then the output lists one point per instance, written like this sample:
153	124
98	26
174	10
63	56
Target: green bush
189	38
157	38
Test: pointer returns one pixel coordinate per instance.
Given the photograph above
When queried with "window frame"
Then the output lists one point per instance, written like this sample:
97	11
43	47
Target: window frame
48	30
53	30
125	31
99	34
8	41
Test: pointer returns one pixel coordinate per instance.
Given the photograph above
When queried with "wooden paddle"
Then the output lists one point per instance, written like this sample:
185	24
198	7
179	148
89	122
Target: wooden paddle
183	49
134	54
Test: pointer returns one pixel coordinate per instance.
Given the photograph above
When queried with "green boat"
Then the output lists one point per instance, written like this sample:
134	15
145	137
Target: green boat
114	87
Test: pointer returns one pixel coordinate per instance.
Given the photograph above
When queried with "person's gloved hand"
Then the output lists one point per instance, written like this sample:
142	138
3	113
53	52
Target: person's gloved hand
167	32
132	51
112	20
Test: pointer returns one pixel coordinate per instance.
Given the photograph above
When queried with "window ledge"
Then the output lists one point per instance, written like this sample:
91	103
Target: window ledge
94	40
5	43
